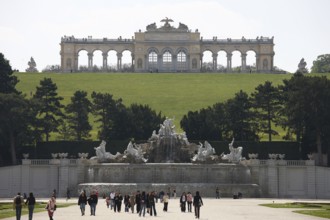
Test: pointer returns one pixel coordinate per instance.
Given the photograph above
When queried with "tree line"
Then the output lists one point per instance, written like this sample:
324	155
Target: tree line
300	106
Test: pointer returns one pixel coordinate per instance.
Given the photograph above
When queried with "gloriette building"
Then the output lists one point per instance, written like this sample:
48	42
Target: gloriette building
167	49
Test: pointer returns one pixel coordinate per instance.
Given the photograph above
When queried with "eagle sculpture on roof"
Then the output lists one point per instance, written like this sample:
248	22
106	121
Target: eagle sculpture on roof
167	20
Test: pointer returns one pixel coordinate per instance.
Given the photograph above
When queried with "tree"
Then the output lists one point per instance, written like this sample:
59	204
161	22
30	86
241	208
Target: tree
292	116
15	120
50	106
7	80
240	118
205	124
307	110
266	102
321	64
109	112
143	120
77	115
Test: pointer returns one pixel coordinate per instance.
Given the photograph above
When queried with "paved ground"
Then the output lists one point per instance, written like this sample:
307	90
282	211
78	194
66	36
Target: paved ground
229	209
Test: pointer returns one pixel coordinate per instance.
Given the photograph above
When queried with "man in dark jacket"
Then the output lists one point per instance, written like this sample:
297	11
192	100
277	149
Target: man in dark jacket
92	201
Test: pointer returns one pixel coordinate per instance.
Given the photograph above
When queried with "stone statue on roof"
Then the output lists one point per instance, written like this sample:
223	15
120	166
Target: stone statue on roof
167	20
302	66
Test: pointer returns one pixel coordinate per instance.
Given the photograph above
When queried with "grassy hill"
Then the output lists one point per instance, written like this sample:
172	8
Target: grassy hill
174	94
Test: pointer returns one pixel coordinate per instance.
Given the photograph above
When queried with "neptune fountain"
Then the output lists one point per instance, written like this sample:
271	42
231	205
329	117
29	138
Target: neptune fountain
168	161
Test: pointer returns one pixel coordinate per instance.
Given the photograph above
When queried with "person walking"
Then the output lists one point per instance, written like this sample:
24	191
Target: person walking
183	200
92	201
189	201
30	202
132	202
126	202
51	207
82	201
17	205
143	203
198	202
116	201
120	202
152	204
217	193
166	198
138	201
112	199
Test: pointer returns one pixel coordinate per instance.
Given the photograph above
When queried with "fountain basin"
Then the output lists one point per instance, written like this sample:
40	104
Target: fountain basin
127	178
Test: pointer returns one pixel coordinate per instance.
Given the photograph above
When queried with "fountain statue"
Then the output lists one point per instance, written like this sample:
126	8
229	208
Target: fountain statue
134	153
235	155
102	155
204	153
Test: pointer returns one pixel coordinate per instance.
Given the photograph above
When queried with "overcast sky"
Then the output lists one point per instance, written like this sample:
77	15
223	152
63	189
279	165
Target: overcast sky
301	28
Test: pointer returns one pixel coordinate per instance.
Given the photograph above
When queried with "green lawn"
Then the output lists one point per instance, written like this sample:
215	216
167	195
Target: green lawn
313	209
174	94
171	93
6	209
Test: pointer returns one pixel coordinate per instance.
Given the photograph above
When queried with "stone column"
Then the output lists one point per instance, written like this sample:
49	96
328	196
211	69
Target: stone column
174	62
75	63
25	176
53	176
160	62
243	67
272	178
132	64
146	63
90	61
272	62
229	55
311	182
215	62
201	63
105	61
63	177
119	56
257	62
282	178
188	63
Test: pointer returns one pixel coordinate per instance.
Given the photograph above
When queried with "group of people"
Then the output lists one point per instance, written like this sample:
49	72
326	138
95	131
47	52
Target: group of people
140	202
30	201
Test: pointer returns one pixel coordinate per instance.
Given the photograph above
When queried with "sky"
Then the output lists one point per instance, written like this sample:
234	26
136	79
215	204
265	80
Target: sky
34	28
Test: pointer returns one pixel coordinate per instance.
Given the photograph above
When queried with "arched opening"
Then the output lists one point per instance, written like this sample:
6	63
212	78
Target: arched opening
251	61
207	62
97	61
126	61
181	61
152	61
83	61
167	60
236	61
222	61
112	61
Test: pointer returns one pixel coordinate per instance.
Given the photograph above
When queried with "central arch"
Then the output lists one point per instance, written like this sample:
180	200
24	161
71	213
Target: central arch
167	60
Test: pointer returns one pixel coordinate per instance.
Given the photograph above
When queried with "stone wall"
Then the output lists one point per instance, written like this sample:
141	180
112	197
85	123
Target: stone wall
253	178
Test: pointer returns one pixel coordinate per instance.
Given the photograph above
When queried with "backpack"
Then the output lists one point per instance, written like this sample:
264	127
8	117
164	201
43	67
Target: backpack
18	200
